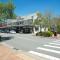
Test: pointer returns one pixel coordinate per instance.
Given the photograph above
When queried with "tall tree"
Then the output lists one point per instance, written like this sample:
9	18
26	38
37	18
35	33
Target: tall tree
7	10
10	9
38	21
1	9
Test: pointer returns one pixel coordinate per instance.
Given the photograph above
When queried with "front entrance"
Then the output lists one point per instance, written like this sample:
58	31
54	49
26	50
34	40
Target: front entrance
17	29
26	30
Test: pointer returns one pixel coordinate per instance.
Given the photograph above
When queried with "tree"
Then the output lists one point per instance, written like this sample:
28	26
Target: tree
14	16
1	9
57	22
10	9
38	20
6	11
1	13
42	21
49	17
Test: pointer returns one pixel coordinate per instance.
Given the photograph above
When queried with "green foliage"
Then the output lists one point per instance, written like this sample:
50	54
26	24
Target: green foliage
38	14
58	28
7	10
14	16
1	9
10	10
36	22
38	19
45	34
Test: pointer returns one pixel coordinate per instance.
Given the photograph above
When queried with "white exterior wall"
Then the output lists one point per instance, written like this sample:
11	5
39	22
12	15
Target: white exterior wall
42	30
27	20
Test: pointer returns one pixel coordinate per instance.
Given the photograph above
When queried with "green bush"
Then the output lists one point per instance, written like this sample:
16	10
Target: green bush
45	34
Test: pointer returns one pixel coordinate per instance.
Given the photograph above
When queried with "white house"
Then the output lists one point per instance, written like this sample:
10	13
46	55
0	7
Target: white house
25	23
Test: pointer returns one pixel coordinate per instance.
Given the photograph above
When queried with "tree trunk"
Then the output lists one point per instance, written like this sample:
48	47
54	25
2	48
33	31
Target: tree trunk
40	28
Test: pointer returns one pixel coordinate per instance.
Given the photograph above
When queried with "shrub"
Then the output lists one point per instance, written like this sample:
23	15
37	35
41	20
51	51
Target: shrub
45	34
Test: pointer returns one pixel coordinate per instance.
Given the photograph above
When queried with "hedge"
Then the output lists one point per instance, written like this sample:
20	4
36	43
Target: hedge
45	34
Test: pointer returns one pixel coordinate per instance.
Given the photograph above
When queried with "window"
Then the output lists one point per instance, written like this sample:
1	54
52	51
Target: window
21	22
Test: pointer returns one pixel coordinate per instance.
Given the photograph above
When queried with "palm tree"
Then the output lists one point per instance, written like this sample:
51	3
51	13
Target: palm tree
45	22
38	21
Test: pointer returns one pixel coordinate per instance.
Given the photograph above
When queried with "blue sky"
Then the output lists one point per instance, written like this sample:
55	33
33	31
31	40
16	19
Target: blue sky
25	7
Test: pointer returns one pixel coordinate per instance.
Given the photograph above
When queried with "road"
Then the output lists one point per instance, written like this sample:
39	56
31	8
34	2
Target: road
46	47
